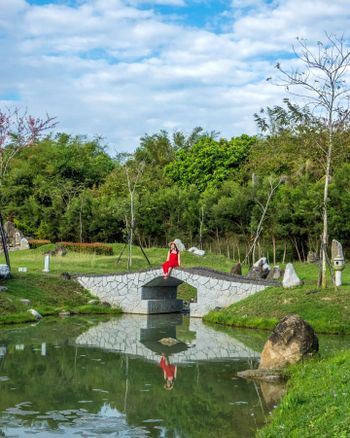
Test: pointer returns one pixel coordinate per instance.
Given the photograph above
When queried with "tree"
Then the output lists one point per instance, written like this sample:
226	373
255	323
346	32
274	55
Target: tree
18	130
209	162
133	177
322	84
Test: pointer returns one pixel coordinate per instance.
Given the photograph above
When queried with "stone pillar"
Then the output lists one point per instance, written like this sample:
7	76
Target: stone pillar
338	261
46	263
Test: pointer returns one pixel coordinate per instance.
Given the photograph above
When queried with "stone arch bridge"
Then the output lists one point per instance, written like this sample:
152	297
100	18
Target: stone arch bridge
147	292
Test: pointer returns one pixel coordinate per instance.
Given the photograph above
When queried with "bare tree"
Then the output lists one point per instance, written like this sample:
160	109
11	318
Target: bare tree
322	82
264	207
132	182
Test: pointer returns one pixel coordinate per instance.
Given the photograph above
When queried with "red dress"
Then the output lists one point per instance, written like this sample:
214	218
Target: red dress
169	370
173	262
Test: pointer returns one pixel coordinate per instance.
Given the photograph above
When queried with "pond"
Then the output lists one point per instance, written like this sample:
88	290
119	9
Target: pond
112	377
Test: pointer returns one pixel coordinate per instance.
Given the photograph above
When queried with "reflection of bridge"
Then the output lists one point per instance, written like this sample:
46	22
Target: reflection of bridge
147	292
139	335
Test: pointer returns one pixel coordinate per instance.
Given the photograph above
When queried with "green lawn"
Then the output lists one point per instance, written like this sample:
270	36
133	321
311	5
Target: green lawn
328	310
317	401
50	294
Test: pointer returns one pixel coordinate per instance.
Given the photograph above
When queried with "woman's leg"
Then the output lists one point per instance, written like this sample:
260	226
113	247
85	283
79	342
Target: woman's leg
166	267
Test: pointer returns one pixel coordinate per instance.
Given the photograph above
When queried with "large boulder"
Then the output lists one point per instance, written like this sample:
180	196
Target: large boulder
13	234
290	278
292	340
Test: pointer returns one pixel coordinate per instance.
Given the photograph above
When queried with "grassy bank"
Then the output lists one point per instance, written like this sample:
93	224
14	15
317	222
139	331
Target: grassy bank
317	401
50	294
328	310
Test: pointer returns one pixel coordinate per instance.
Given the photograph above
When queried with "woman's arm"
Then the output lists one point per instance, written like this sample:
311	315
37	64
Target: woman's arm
168	258
179	259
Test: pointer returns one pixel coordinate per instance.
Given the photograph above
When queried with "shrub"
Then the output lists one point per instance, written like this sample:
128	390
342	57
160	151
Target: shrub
35	243
90	248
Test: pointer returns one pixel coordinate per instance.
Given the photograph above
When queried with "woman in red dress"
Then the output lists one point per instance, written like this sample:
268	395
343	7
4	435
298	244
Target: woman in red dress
172	261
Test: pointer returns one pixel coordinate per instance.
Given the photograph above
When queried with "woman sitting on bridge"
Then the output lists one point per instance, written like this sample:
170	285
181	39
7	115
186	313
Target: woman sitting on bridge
172	261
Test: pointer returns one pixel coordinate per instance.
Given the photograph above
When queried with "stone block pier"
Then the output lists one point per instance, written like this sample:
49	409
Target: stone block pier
147	292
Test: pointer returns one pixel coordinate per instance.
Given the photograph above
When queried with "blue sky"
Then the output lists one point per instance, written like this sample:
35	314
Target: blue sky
122	68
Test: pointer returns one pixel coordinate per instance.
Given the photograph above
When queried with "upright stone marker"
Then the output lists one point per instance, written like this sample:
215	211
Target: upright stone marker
338	261
291	278
46	263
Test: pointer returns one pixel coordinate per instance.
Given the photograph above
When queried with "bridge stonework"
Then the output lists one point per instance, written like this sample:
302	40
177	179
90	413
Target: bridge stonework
147	292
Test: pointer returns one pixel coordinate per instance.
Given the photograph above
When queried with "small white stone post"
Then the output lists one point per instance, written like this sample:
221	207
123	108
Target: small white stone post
43	348
338	261
46	263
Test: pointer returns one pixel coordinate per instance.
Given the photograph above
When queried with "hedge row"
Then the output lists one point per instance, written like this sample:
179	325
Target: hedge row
90	248
35	243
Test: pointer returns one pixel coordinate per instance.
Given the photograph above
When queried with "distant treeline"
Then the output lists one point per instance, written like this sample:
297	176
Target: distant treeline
206	190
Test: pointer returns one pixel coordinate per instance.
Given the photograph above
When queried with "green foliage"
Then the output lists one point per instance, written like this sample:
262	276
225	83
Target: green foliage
209	162
193	187
49	181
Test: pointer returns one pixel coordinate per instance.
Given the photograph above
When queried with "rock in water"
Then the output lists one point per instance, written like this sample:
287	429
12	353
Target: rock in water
236	269
292	340
168	341
290	278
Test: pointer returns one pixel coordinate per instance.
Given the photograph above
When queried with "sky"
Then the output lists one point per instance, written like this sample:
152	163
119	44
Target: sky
119	69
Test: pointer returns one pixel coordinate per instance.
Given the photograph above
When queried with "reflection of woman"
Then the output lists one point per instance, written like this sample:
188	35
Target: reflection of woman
169	372
172	261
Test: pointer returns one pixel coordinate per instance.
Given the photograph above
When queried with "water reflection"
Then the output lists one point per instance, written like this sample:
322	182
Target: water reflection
100	377
139	335
169	372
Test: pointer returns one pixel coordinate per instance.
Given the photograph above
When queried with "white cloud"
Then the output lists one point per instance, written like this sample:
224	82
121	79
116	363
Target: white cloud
111	68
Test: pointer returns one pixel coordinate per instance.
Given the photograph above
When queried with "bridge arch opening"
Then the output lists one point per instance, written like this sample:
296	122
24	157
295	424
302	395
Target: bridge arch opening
168	296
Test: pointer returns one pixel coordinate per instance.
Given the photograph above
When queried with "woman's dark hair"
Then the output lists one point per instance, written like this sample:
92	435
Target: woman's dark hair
176	248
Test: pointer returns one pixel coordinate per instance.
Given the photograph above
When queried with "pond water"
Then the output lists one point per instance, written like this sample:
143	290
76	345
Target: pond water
102	377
